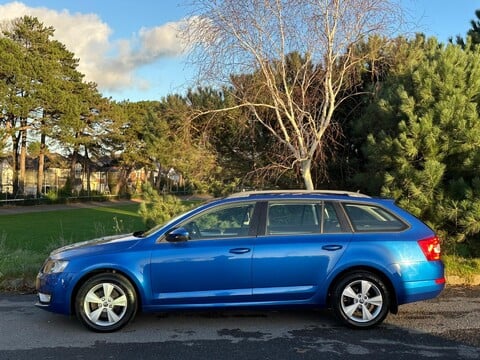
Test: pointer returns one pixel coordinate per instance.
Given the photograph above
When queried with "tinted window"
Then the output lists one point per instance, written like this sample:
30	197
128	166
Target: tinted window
372	218
293	218
231	221
331	224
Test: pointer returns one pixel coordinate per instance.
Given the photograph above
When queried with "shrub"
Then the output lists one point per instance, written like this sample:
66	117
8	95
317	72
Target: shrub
158	209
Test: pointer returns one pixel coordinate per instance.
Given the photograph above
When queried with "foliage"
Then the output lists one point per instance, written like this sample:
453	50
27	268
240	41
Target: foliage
156	209
42	95
52	196
473	34
159	137
425	151
222	134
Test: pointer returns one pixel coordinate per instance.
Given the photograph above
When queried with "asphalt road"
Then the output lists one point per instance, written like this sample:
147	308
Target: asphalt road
445	328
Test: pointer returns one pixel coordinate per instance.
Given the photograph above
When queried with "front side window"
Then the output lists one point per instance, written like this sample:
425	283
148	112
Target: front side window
372	218
226	222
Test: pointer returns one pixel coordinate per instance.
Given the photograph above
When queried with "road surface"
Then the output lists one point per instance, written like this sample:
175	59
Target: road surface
444	328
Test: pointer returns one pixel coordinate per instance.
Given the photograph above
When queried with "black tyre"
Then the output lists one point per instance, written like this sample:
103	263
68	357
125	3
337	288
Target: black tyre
360	300
106	302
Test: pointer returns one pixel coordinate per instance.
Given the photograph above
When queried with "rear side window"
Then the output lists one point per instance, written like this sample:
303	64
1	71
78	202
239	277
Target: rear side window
372	218
331	222
302	218
293	218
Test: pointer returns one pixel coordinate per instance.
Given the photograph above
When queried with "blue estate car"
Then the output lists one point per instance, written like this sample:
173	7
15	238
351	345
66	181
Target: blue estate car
360	256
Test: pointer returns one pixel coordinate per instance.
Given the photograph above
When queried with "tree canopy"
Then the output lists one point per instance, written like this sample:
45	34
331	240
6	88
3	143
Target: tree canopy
301	55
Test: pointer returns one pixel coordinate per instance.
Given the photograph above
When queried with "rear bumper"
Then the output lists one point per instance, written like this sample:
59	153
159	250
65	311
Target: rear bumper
421	290
423	281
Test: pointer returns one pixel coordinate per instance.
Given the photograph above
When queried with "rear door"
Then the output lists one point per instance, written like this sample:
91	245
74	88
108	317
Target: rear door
300	243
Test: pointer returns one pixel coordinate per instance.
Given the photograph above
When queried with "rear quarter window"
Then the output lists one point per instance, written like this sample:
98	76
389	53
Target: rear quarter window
373	218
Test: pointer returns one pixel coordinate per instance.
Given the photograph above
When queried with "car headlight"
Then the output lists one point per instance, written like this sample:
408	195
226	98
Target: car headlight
54	266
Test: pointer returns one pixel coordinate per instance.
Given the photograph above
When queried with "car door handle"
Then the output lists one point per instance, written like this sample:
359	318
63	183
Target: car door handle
239	251
332	247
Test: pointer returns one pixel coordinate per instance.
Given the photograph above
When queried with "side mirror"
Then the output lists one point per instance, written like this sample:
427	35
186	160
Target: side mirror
178	235
139	233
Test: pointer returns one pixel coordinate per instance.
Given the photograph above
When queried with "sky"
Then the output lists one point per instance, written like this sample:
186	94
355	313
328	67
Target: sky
131	49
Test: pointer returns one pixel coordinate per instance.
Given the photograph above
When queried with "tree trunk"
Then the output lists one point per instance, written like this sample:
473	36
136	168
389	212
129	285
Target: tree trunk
23	159
306	166
120	187
73	165
87	170
41	166
15	166
158	181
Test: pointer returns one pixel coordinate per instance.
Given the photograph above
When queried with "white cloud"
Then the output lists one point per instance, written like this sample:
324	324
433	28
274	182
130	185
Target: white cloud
111	64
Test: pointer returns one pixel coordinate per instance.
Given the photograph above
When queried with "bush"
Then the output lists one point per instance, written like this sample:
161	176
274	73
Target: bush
158	209
52	196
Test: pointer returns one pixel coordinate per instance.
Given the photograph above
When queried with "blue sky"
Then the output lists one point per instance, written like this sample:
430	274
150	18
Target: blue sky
129	48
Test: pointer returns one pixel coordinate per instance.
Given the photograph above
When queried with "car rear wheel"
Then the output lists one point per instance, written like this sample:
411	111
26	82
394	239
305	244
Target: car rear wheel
106	302
360	300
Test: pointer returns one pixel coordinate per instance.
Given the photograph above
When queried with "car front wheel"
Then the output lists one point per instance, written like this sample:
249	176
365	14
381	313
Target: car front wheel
360	300
106	302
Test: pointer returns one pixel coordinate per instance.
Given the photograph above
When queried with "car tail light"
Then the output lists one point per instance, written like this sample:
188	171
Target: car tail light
431	248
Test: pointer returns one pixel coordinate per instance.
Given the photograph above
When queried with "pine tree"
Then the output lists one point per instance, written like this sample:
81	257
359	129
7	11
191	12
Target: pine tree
473	35
425	149
41	92
474	32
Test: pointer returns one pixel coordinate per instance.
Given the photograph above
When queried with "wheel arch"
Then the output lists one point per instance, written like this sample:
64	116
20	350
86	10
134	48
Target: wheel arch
393	303
99	271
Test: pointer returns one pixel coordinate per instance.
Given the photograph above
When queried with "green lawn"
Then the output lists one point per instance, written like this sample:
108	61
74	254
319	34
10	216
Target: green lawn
27	238
38	231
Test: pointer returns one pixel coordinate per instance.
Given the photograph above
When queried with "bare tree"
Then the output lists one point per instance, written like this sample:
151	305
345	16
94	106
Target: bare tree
233	37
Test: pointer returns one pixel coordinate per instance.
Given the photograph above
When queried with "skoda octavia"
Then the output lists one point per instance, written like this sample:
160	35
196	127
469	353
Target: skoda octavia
360	256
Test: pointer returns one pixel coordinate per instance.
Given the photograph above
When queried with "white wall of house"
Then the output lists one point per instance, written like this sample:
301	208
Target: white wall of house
6	177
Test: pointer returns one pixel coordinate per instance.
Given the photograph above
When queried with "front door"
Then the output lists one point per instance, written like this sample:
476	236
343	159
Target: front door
213	267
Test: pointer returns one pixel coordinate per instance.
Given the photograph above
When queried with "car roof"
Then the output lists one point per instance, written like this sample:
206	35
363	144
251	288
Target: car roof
276	193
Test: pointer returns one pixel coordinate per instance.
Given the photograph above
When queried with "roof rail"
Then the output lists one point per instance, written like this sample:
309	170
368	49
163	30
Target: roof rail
300	192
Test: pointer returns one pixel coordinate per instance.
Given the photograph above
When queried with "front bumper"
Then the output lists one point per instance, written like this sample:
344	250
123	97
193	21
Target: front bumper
54	292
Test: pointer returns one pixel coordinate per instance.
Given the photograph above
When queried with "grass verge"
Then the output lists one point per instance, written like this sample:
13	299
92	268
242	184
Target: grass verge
462	267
